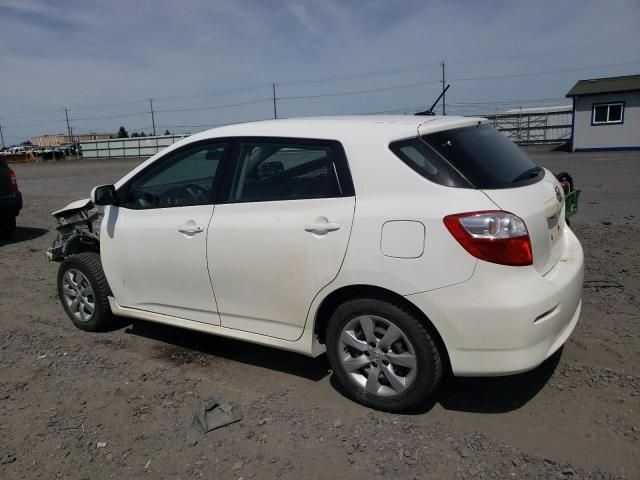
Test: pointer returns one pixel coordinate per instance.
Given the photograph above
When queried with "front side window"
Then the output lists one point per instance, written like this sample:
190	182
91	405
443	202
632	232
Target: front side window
607	113
284	171
184	178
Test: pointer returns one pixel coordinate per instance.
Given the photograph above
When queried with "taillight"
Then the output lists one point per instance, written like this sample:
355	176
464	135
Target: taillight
13	184
494	236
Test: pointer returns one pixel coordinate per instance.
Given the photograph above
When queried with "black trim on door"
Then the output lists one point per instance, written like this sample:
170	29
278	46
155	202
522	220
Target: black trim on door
340	163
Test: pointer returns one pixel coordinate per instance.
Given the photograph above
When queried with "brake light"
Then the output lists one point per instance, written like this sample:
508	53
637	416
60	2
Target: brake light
494	236
13	184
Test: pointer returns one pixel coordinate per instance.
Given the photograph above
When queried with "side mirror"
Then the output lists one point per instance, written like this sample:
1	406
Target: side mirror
104	195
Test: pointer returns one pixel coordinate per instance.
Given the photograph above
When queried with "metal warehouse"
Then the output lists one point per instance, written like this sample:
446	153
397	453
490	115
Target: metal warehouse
606	114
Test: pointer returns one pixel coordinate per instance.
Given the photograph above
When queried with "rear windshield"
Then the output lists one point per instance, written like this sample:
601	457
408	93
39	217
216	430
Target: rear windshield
485	157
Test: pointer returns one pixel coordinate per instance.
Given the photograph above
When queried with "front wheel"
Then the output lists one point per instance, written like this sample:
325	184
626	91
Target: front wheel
382	355
84	292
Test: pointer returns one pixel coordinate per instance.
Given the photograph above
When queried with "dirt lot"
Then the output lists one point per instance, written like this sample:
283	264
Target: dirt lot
120	404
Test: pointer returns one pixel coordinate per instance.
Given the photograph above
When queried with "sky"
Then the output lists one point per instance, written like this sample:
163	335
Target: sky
211	62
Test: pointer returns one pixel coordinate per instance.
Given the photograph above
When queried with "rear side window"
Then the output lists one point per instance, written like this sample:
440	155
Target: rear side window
270	171
485	157
428	162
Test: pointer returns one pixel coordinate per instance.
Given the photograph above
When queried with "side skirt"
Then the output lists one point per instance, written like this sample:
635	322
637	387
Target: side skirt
307	344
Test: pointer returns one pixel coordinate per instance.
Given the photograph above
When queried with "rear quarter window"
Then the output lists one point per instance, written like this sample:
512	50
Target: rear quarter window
423	159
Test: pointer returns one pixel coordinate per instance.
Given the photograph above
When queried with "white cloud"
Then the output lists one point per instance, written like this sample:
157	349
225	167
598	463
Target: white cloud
123	51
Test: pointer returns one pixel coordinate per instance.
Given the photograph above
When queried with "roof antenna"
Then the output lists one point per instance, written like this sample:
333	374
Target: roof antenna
430	110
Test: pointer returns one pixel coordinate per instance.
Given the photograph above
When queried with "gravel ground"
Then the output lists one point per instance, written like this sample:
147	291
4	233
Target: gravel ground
119	404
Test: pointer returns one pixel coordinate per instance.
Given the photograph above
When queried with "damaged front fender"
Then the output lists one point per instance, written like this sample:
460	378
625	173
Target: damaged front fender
78	230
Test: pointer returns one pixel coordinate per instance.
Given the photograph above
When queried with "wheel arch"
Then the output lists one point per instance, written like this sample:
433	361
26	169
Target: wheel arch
351	292
80	244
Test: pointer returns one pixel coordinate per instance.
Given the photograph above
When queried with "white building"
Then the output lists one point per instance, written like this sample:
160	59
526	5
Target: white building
606	114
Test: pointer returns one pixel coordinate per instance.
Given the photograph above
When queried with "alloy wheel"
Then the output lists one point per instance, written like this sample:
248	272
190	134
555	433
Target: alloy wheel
78	295
377	356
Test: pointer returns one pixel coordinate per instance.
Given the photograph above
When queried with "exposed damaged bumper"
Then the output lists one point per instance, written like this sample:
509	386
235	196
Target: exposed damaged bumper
78	230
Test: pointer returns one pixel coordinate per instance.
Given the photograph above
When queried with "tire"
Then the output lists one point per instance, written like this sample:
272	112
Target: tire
396	387
7	227
565	177
84	292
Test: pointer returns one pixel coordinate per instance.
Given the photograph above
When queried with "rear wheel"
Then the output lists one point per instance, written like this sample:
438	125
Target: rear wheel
381	355
84	292
7	227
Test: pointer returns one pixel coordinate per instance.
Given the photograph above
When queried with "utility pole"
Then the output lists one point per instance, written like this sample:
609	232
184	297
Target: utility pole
66	114
275	107
153	119
1	136
444	110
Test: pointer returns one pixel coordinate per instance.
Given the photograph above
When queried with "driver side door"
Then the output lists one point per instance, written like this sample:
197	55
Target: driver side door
154	242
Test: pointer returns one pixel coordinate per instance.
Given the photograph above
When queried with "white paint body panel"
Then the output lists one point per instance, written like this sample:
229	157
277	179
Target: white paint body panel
508	319
307	344
402	239
267	268
270	276
152	266
75	205
535	204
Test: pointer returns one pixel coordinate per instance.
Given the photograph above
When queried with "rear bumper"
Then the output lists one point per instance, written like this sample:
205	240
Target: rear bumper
10	205
507	320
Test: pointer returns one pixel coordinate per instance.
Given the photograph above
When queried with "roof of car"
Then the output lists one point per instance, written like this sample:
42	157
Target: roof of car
380	128
385	127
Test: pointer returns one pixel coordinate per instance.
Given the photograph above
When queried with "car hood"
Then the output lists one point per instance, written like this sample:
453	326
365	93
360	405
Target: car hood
76	205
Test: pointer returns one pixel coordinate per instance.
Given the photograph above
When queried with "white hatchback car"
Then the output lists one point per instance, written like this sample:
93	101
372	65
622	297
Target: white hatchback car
403	246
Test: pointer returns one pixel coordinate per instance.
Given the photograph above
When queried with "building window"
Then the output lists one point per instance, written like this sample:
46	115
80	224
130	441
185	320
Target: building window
607	113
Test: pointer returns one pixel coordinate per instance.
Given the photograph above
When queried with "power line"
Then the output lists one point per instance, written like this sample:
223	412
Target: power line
548	72
214	107
368	74
40	124
497	102
326	95
490	77
352	76
357	76
414	108
419	66
109	117
357	92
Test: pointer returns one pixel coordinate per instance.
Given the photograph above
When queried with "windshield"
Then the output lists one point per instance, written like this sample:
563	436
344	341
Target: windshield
485	157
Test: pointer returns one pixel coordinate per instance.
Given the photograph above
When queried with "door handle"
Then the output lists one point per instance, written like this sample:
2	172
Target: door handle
322	228
190	229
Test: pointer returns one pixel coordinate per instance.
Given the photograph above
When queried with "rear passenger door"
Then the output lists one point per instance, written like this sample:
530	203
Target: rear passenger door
280	233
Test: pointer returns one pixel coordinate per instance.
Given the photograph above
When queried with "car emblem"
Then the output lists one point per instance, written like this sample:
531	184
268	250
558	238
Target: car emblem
558	194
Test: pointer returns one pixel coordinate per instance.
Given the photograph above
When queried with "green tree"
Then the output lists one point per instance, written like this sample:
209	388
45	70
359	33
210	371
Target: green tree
135	135
167	132
122	133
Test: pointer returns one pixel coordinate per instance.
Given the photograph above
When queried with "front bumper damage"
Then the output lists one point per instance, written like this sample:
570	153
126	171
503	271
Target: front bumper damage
78	230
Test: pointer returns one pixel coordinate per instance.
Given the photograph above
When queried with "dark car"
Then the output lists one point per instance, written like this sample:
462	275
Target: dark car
10	199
